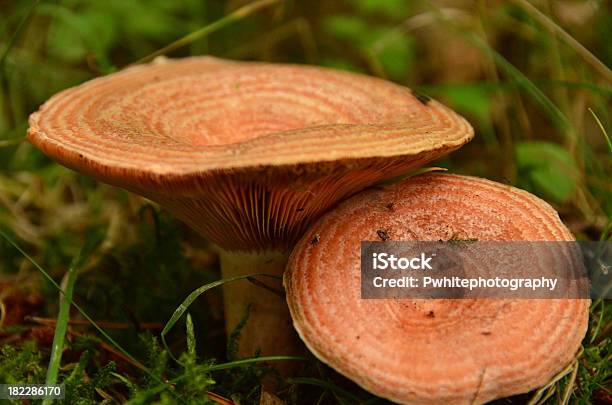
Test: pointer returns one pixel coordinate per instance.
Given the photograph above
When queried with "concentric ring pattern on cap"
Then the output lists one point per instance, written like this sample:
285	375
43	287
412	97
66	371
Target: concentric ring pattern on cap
246	153
431	351
197	115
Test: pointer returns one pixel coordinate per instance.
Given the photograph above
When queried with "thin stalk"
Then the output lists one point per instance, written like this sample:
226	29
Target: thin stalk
603	129
11	142
60	330
104	324
236	15
64	311
553	27
198	370
257	319
184	306
85	315
4	85
17	33
76	306
569	388
556	116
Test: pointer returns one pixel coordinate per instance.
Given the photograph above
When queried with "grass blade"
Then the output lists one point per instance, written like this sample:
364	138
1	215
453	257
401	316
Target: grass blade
603	130
599	322
60	331
64	312
182	308
83	313
553	27
177	314
4	143
557	117
236	15
557	377
191	340
76	306
242	362
143	395
570	385
15	36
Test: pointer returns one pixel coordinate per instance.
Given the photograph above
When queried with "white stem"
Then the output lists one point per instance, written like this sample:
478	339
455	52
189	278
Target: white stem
269	327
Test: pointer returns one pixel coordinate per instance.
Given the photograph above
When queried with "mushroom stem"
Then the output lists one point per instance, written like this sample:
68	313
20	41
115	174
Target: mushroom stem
268	328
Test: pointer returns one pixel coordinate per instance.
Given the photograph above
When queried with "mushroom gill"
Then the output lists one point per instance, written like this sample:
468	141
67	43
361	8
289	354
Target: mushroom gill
247	154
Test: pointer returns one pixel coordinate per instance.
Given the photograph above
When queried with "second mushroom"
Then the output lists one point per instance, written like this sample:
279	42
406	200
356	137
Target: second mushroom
432	351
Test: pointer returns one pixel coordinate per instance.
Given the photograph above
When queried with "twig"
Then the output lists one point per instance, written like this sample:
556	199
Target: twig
104	324
2	312
568	369
115	352
569	388
263	285
77	306
218	398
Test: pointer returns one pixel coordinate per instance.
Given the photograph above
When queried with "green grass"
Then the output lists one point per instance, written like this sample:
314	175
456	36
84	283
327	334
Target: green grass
538	96
192	370
61	326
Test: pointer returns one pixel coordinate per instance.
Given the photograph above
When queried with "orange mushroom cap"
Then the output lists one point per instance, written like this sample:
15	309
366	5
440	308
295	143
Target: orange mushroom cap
246	153
438	351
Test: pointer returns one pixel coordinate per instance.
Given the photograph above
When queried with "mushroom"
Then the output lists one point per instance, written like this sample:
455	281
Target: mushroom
431	351
247	154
